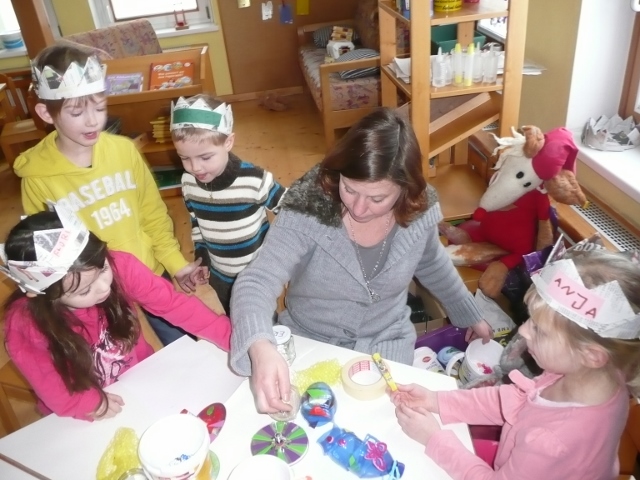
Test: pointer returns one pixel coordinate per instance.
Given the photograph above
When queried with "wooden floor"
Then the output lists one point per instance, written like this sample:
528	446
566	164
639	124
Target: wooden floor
287	143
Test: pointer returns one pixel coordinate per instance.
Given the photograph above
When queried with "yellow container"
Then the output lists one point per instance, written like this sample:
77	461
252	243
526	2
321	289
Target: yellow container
447	5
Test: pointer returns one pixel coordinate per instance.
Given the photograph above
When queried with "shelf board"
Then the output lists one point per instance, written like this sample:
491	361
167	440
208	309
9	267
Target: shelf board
464	126
390	8
442	92
470	12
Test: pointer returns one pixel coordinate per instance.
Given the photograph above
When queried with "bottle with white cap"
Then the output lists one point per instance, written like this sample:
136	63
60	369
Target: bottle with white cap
284	343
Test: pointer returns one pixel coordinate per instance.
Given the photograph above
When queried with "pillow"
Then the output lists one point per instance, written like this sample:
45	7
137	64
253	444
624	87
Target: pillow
358	54
322	35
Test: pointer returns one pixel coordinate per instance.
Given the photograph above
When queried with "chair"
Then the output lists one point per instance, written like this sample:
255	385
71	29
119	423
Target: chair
12	385
18	135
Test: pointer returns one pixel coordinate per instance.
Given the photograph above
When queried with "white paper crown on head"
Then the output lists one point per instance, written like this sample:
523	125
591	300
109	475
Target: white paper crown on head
56	250
77	81
603	309
201	115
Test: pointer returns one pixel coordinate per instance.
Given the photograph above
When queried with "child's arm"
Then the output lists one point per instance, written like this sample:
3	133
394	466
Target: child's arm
33	199
158	296
28	349
272	191
154	217
477	406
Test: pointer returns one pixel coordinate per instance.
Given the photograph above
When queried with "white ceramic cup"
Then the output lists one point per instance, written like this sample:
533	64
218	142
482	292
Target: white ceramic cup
174	447
262	466
426	359
478	360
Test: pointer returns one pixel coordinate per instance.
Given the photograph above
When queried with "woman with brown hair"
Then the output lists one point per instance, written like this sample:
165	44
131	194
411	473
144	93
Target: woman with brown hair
349	238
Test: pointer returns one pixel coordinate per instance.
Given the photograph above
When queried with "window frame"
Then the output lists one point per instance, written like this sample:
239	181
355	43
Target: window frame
103	16
165	14
630	97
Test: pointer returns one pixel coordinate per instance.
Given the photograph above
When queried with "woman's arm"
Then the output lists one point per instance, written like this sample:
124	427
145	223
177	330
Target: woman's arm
257	288
438	275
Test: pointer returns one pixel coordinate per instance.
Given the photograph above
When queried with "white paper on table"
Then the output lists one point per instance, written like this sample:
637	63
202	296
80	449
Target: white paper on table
184	374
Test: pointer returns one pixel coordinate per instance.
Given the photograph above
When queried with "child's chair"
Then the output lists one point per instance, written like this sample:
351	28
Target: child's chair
12	385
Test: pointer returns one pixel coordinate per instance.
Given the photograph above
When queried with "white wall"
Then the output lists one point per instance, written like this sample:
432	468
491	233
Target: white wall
602	50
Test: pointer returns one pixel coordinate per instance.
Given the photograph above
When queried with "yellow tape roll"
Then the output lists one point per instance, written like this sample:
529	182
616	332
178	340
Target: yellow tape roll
362	380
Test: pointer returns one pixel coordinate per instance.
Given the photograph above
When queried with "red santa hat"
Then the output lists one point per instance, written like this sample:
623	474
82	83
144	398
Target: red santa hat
559	152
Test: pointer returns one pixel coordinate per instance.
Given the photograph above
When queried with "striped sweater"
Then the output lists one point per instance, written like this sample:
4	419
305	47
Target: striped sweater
228	215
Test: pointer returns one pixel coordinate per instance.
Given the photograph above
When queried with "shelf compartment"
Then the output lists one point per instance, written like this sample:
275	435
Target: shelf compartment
459	190
455	126
442	92
470	12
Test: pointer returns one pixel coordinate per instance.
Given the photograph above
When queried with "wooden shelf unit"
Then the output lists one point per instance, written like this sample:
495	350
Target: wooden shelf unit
136	110
504	105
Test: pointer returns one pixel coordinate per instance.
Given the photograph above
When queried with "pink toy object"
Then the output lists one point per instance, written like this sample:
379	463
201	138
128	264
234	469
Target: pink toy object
213	416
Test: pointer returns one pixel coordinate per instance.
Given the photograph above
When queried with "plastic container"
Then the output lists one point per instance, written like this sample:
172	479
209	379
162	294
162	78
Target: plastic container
447	5
443	337
12	39
445	36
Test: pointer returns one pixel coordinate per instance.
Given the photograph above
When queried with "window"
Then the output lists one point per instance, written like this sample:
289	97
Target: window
630	101
8	20
159	12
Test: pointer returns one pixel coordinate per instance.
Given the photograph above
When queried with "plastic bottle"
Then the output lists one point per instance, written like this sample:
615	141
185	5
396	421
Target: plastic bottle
468	66
490	67
439	70
457	65
448	64
477	65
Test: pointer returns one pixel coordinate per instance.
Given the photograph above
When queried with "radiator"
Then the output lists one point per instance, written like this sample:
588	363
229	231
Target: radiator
608	226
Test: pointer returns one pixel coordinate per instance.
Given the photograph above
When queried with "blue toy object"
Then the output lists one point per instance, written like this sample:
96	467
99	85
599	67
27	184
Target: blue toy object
318	404
366	459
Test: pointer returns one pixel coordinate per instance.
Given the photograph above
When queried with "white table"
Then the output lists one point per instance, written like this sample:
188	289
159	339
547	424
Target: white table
192	375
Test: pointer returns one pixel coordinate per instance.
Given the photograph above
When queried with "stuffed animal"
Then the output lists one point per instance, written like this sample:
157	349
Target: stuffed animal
513	218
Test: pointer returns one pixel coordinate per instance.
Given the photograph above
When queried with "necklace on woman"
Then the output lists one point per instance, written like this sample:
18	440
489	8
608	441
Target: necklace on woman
374	296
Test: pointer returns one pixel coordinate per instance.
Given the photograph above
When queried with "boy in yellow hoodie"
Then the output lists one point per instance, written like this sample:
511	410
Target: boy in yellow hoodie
102	177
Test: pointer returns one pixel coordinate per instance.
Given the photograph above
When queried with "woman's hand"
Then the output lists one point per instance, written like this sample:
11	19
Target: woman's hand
417	423
113	407
480	330
269	378
415	396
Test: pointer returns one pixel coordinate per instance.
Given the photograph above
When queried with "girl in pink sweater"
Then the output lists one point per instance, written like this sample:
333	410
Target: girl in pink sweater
583	331
72	327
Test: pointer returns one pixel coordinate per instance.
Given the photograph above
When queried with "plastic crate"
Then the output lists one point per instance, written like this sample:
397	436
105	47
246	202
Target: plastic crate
446	36
448	336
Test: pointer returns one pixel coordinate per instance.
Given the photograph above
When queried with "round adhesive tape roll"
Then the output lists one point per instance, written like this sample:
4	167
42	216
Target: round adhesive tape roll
362	380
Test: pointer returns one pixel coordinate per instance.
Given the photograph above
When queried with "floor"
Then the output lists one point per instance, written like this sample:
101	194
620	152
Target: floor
287	143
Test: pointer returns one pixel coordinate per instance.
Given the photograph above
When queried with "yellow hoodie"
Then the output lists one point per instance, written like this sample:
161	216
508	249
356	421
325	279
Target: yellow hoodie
117	197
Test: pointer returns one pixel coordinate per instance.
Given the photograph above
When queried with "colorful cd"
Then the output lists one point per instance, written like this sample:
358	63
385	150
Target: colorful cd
285	440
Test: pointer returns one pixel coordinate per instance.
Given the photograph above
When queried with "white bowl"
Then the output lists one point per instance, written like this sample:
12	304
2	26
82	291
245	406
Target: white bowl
175	447
262	466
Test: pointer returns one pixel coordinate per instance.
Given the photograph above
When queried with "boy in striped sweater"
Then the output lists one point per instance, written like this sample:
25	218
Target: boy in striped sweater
227	198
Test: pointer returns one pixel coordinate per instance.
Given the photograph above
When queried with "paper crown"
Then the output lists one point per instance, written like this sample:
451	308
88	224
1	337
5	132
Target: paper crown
56	250
201	115
77	81
603	309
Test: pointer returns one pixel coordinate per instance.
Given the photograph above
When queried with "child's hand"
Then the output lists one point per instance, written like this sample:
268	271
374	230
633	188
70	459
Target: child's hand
418	423
112	408
415	396
192	275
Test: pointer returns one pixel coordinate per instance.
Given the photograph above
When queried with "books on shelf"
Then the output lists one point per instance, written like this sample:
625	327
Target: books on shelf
160	129
171	75
123	83
168	177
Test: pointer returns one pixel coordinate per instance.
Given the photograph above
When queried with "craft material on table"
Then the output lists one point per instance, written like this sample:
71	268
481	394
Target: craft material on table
318	404
286	440
327	371
362	380
384	371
